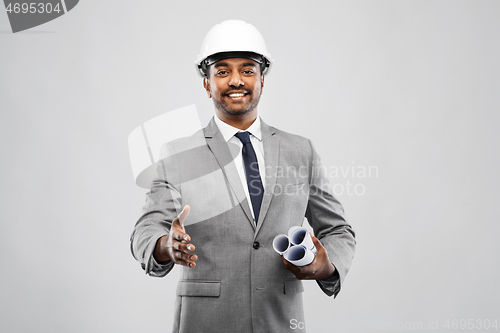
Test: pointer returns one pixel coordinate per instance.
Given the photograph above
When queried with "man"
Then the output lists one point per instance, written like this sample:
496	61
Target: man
231	279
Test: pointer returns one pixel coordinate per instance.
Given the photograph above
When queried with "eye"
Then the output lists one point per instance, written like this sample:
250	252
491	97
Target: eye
248	72
221	73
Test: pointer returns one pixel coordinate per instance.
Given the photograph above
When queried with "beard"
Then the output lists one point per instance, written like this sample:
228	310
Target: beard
224	107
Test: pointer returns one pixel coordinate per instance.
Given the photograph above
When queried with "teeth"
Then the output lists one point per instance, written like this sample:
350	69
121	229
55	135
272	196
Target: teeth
236	95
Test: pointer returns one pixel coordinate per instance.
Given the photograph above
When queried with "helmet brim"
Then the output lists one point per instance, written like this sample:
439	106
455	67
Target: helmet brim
212	59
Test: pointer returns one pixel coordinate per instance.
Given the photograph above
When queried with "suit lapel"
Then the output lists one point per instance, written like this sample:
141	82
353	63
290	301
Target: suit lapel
271	156
222	153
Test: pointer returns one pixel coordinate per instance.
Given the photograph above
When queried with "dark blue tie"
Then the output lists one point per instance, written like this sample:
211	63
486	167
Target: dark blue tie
252	173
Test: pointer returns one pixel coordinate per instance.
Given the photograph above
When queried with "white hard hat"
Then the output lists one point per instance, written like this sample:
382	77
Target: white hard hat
233	39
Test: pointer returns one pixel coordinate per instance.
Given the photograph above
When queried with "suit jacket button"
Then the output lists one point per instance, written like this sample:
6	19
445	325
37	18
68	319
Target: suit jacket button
256	245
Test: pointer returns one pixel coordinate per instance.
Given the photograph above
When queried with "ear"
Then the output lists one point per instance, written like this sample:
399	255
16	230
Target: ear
262	81
206	85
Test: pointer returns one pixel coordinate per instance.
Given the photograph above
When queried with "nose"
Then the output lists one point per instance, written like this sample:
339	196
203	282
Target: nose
236	79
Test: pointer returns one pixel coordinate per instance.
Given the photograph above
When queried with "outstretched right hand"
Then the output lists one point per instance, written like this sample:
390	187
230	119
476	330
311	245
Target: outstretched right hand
175	245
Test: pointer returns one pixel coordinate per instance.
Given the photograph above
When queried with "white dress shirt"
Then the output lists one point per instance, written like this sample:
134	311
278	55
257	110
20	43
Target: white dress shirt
255	131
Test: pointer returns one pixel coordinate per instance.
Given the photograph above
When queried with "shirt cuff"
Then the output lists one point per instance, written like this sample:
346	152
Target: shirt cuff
330	286
159	269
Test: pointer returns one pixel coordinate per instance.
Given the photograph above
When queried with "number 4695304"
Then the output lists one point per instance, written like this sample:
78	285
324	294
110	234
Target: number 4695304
471	324
33	8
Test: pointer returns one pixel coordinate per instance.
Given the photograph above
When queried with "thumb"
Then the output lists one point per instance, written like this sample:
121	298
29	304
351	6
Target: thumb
183	215
316	241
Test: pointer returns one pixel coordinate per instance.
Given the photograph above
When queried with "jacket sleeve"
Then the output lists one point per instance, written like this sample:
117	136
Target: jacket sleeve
163	203
326	216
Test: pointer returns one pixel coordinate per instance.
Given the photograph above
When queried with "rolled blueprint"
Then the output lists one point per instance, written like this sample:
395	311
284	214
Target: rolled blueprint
292	230
299	255
297	247
301	236
281	243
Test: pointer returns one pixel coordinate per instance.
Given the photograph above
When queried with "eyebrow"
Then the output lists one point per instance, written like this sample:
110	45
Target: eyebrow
246	64
225	64
221	64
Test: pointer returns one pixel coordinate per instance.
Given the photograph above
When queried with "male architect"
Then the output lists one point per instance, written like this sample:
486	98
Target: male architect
231	278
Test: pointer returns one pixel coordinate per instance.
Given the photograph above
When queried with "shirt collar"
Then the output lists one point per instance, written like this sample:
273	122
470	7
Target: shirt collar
229	131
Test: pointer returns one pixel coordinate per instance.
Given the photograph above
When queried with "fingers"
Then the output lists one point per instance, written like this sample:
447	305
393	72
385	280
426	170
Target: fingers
180	241
179	235
291	267
183	246
301	272
285	262
179	253
185	259
320	268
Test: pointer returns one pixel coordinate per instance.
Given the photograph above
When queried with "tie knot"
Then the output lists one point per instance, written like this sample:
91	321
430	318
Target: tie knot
243	136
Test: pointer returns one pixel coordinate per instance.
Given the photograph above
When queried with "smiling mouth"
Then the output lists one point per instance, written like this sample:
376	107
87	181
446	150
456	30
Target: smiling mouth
236	95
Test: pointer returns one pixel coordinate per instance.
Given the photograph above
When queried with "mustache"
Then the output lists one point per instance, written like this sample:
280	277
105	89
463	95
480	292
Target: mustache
232	90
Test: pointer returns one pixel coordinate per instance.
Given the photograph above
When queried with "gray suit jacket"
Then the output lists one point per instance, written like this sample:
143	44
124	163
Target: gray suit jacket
239	283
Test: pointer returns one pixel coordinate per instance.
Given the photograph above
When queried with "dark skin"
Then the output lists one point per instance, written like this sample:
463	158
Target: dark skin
175	246
320	269
232	76
235	85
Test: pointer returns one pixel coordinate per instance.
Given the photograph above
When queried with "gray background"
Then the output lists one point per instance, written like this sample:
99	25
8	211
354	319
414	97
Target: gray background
410	87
